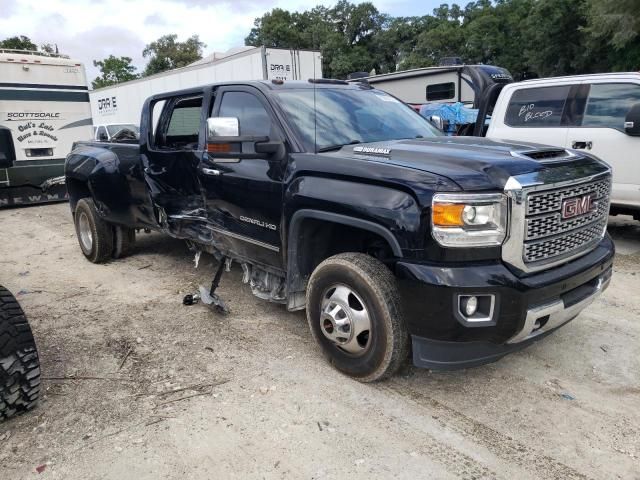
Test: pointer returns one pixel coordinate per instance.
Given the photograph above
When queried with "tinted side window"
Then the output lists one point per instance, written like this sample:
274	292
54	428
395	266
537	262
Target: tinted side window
251	114
441	91
183	126
537	107
609	103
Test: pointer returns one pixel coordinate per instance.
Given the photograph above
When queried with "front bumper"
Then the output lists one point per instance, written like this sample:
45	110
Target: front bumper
527	308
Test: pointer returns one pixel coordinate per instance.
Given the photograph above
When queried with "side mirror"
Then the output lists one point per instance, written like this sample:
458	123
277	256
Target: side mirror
632	121
225	142
7	151
222	127
437	122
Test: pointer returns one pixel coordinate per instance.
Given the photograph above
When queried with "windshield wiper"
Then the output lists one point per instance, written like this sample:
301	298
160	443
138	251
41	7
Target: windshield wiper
338	146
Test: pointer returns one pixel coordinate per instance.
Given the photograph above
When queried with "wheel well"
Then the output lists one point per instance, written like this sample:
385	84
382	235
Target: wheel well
77	190
318	239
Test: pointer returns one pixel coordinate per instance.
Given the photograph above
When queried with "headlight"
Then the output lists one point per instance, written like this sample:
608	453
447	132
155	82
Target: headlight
469	220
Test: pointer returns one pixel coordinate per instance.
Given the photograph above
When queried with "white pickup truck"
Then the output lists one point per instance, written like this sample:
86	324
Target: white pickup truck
596	113
107	131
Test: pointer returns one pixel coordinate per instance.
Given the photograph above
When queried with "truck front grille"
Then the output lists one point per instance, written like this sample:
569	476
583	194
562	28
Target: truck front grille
551	200
548	236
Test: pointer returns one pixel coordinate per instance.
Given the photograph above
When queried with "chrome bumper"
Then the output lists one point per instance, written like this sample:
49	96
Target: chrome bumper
546	317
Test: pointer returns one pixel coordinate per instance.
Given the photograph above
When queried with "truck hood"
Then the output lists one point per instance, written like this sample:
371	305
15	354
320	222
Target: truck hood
473	163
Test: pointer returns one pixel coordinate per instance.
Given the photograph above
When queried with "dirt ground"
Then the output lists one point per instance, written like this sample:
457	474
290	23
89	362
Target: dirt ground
136	385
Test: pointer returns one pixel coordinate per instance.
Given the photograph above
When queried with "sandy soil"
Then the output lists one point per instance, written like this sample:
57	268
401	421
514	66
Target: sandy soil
161	390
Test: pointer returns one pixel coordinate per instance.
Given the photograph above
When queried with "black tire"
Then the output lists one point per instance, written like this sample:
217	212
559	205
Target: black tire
124	241
19	363
387	341
99	247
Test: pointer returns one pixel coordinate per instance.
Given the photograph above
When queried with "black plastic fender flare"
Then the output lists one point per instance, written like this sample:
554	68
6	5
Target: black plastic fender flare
295	283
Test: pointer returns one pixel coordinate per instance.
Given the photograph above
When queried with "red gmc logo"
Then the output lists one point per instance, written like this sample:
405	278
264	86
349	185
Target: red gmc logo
572	207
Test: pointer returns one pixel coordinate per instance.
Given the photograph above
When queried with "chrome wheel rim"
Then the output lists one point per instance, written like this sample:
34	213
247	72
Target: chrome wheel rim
345	320
84	230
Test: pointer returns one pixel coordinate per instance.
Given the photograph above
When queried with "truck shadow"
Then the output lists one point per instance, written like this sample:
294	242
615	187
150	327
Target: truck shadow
625	232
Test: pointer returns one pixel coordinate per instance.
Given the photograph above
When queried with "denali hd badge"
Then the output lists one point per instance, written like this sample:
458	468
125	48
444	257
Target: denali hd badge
572	207
372	150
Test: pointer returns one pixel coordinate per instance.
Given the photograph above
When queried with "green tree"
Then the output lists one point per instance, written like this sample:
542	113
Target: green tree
440	35
346	34
617	25
167	53
48	48
276	28
528	37
556	40
20	42
113	70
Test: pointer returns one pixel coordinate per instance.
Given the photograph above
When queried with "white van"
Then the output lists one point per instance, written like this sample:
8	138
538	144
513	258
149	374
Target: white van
599	114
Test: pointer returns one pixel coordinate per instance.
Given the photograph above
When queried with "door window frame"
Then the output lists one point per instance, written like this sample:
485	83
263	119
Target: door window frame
163	120
588	84
216	99
563	115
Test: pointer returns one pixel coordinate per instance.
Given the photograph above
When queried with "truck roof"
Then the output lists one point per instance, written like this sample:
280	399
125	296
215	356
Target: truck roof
586	77
273	85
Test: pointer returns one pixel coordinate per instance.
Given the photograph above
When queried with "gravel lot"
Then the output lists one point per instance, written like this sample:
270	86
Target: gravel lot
160	390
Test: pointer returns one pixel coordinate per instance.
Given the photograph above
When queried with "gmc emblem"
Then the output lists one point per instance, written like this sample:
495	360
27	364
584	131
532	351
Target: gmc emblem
572	207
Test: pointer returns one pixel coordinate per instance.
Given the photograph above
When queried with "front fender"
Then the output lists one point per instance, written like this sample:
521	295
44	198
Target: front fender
393	210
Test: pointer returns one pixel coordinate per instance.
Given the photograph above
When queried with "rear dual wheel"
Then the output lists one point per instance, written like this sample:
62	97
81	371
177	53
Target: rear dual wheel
98	239
353	310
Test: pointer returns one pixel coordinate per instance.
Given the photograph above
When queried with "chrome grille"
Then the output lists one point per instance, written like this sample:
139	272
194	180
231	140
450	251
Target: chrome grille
563	244
547	236
551	224
550	201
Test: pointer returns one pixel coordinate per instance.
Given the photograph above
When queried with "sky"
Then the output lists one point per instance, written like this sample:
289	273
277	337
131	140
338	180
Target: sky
90	30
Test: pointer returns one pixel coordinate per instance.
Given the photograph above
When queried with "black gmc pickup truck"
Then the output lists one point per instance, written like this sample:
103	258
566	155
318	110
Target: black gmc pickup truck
340	199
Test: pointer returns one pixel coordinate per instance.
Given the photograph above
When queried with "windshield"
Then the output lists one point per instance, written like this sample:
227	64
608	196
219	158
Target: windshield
346	116
113	129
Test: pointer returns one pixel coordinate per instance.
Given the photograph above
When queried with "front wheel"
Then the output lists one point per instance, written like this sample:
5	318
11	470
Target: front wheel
353	310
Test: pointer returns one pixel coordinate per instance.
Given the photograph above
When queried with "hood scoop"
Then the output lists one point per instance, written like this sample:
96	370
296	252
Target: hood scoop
545	155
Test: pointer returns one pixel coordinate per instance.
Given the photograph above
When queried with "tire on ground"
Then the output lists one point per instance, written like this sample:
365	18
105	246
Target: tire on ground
388	345
19	363
98	247
124	241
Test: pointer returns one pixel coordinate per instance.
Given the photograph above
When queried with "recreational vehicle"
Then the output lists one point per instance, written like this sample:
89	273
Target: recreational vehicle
44	102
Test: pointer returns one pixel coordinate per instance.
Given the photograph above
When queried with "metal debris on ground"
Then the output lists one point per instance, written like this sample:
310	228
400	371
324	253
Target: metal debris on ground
213	300
190	299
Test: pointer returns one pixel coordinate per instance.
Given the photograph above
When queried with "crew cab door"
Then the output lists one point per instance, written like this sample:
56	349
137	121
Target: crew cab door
244	196
170	156
600	130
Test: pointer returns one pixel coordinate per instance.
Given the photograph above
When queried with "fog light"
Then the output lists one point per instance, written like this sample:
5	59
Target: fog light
477	310
470	305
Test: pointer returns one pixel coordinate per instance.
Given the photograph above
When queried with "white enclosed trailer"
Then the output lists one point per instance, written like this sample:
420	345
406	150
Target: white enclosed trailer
122	103
44	107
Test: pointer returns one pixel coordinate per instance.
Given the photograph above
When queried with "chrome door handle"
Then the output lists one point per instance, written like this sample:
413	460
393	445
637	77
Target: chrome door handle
211	171
581	145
